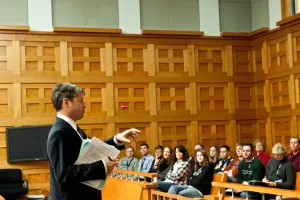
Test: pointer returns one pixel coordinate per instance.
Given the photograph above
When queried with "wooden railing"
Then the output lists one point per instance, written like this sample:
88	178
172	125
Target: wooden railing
123	184
215	193
261	189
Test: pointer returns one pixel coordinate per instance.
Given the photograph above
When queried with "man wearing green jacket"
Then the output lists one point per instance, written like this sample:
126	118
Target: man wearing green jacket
250	168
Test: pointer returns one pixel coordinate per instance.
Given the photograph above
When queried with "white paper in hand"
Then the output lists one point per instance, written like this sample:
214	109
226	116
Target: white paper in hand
96	150
93	151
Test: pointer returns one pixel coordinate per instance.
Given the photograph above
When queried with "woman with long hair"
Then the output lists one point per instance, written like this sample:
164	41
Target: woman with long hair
199	179
213	154
164	165
179	170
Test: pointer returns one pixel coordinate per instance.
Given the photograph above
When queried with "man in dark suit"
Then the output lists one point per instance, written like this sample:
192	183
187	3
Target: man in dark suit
64	143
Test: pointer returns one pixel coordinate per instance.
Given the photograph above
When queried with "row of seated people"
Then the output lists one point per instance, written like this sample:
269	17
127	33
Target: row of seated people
179	174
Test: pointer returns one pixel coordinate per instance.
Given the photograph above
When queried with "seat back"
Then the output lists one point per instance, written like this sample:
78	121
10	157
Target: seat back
218	178
10	178
297	186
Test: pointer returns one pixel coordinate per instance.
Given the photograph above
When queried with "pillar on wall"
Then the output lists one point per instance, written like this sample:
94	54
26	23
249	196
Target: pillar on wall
129	16
209	17
274	12
40	15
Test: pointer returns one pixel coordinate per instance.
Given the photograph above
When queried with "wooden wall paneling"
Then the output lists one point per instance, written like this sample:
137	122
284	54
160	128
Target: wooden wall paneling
151	60
16	59
36	102
171	60
191	60
95	101
257	59
173	99
6	59
3	137
296	48
210	59
37	179
193	137
259	95
229	60
277	55
231	98
193	98
265	60
214	132
131	99
174	133
16	102
279	92
244	94
246	130
260	130
270	140
298	127
108	61
99	131
110	99
281	130
241	61
153	133
212	97
290	54
267	95
63	49
86	59
145	136
292	91
42	58
152	99
130	60
7	111
294	129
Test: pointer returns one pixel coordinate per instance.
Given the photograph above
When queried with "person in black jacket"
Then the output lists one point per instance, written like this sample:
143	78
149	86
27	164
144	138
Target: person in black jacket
63	146
280	172
199	179
164	165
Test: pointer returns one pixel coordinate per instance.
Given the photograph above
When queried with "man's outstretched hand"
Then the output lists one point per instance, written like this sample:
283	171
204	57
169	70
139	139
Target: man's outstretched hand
129	133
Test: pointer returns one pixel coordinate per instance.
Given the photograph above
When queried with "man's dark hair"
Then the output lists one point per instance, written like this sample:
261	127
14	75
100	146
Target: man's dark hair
64	90
144	144
249	145
226	147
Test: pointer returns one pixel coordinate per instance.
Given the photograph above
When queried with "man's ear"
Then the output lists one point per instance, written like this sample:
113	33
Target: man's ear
65	102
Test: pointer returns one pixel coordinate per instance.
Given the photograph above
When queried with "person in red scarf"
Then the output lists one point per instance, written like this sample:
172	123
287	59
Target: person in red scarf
294	156
260	153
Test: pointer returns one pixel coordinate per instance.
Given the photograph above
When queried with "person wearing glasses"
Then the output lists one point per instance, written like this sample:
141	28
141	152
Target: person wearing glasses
280	172
129	162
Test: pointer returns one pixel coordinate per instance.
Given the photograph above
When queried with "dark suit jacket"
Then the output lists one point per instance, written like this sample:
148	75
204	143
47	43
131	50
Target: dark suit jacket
63	148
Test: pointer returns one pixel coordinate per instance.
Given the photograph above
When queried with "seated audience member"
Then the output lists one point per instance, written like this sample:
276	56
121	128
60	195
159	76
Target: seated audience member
164	165
213	155
129	162
199	179
260	153
146	160
196	148
158	156
280	172
294	156
250	168
224	160
232	168
179	170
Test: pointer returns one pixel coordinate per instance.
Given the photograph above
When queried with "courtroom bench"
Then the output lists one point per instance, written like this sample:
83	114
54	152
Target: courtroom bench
215	192
260	189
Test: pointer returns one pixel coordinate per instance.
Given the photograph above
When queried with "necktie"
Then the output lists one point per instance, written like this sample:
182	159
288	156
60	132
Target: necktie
83	135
